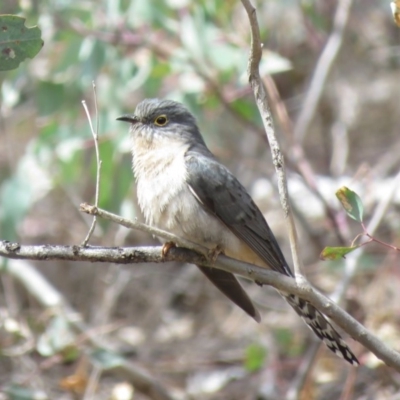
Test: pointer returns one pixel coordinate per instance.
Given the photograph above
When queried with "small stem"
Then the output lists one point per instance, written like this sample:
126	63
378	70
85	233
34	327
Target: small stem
356	238
98	161
390	246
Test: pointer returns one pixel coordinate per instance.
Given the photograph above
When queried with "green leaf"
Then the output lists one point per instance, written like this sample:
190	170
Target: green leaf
351	202
255	357
17	42
334	253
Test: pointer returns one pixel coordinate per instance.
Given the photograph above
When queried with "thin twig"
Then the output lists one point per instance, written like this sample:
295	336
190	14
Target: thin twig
89	209
352	260
277	157
351	267
322	70
98	161
261	100
352	264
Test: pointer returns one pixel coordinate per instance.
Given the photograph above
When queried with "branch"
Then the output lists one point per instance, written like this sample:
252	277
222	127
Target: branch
277	157
93	210
352	260
95	134
261	100
132	255
351	267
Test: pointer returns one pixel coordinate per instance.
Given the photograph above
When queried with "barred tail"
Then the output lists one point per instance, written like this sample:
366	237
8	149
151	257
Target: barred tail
321	327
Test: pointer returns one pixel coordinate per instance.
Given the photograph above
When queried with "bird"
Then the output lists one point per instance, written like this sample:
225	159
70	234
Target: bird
182	188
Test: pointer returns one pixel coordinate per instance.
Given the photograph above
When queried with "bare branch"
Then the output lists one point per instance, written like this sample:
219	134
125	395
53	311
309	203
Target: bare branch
277	156
95	134
92	210
133	255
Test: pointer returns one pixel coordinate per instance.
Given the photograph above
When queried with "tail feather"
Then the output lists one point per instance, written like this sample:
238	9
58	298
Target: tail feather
321	327
230	287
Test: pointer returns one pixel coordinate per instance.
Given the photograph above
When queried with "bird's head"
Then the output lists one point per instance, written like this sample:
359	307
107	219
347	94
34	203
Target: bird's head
156	119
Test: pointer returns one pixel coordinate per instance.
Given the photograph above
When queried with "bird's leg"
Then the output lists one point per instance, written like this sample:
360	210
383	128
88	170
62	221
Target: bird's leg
167	246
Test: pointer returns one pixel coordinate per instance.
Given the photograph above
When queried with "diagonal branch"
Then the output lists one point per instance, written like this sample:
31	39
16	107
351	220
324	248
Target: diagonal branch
132	255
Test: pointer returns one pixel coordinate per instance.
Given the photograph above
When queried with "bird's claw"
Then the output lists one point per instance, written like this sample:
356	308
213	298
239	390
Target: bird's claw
166	248
214	253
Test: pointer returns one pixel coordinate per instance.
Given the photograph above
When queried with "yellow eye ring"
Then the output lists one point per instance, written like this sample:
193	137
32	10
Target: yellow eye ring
161	120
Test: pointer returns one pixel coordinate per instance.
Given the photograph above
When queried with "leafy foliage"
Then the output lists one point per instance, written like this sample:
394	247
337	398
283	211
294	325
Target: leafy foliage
335	253
351	202
149	56
17	42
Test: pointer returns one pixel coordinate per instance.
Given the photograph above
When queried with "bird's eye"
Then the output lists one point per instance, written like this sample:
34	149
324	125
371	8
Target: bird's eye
161	120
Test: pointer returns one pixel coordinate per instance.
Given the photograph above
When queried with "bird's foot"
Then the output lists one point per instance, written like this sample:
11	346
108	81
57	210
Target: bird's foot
166	248
214	253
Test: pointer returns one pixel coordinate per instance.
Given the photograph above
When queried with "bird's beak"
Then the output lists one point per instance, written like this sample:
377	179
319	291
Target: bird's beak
132	119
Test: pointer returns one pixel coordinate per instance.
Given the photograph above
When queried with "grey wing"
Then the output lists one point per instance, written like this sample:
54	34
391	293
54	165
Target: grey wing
221	194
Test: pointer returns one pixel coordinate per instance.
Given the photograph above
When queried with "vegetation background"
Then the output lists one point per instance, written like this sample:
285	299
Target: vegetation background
167	319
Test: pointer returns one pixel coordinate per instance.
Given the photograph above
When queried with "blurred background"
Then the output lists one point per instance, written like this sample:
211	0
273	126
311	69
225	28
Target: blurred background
167	320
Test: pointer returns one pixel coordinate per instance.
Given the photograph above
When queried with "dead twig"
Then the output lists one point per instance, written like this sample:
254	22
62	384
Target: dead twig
98	161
